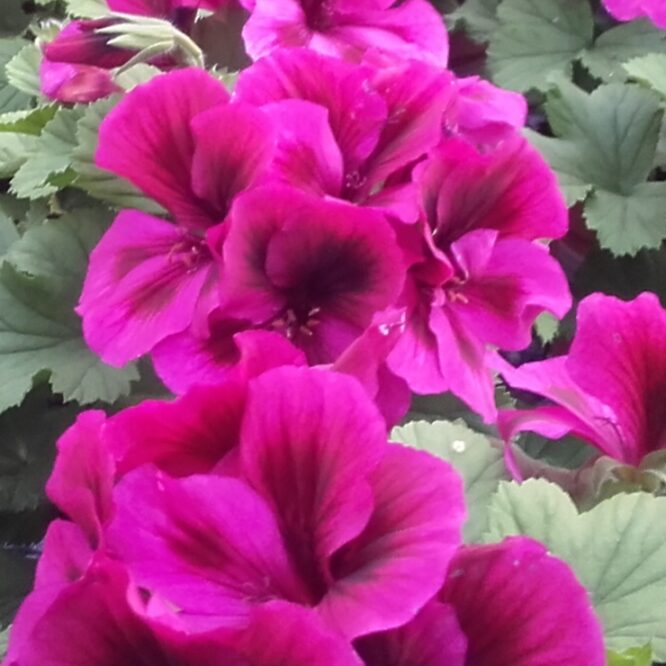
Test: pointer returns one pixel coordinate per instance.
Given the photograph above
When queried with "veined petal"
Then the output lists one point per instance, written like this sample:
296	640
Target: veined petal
520	606
387	574
196	550
356	113
310	456
148	139
234	143
146	280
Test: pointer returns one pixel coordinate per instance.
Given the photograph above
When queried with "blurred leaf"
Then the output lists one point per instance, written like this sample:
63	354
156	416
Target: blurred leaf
650	69
16	578
479	462
11	98
8	233
4	637
618	45
23	69
536	38
14	151
617	550
28	121
479	18
87	8
26	528
639	656
27	449
98	183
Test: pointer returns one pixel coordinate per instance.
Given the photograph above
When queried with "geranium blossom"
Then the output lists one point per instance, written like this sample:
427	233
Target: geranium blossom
149	278
510	604
362	129
609	389
348	29
483	279
627	10
350	534
361	532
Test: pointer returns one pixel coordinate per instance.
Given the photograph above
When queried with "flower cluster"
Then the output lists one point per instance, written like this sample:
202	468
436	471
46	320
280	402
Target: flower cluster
326	204
268	521
351	224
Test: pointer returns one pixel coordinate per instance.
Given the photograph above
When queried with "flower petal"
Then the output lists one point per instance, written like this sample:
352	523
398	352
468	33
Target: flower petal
520	606
196	550
399	561
147	139
146	280
82	480
305	456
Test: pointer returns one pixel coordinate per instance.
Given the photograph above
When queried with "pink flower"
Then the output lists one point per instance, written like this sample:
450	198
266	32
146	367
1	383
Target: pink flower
346	131
627	10
100	619
300	272
483	279
342	522
511	604
348	29
149	278
609	388
485	114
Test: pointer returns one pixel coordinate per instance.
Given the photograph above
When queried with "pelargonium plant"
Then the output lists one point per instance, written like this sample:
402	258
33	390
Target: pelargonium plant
332	333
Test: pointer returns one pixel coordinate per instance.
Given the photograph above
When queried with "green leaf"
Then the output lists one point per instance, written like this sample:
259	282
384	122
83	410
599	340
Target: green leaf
87	8
617	550
628	223
536	39
38	327
4	638
11	98
14	151
23	70
27	449
8	233
618	45
16	578
650	69
98	183
479	17
607	146
51	156
29	121
639	656
479	462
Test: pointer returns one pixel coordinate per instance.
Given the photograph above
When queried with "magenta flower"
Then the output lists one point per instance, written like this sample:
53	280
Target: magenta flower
341	521
99	620
609	388
511	604
149	278
483	279
349	132
403	30
315	271
627	10
485	114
